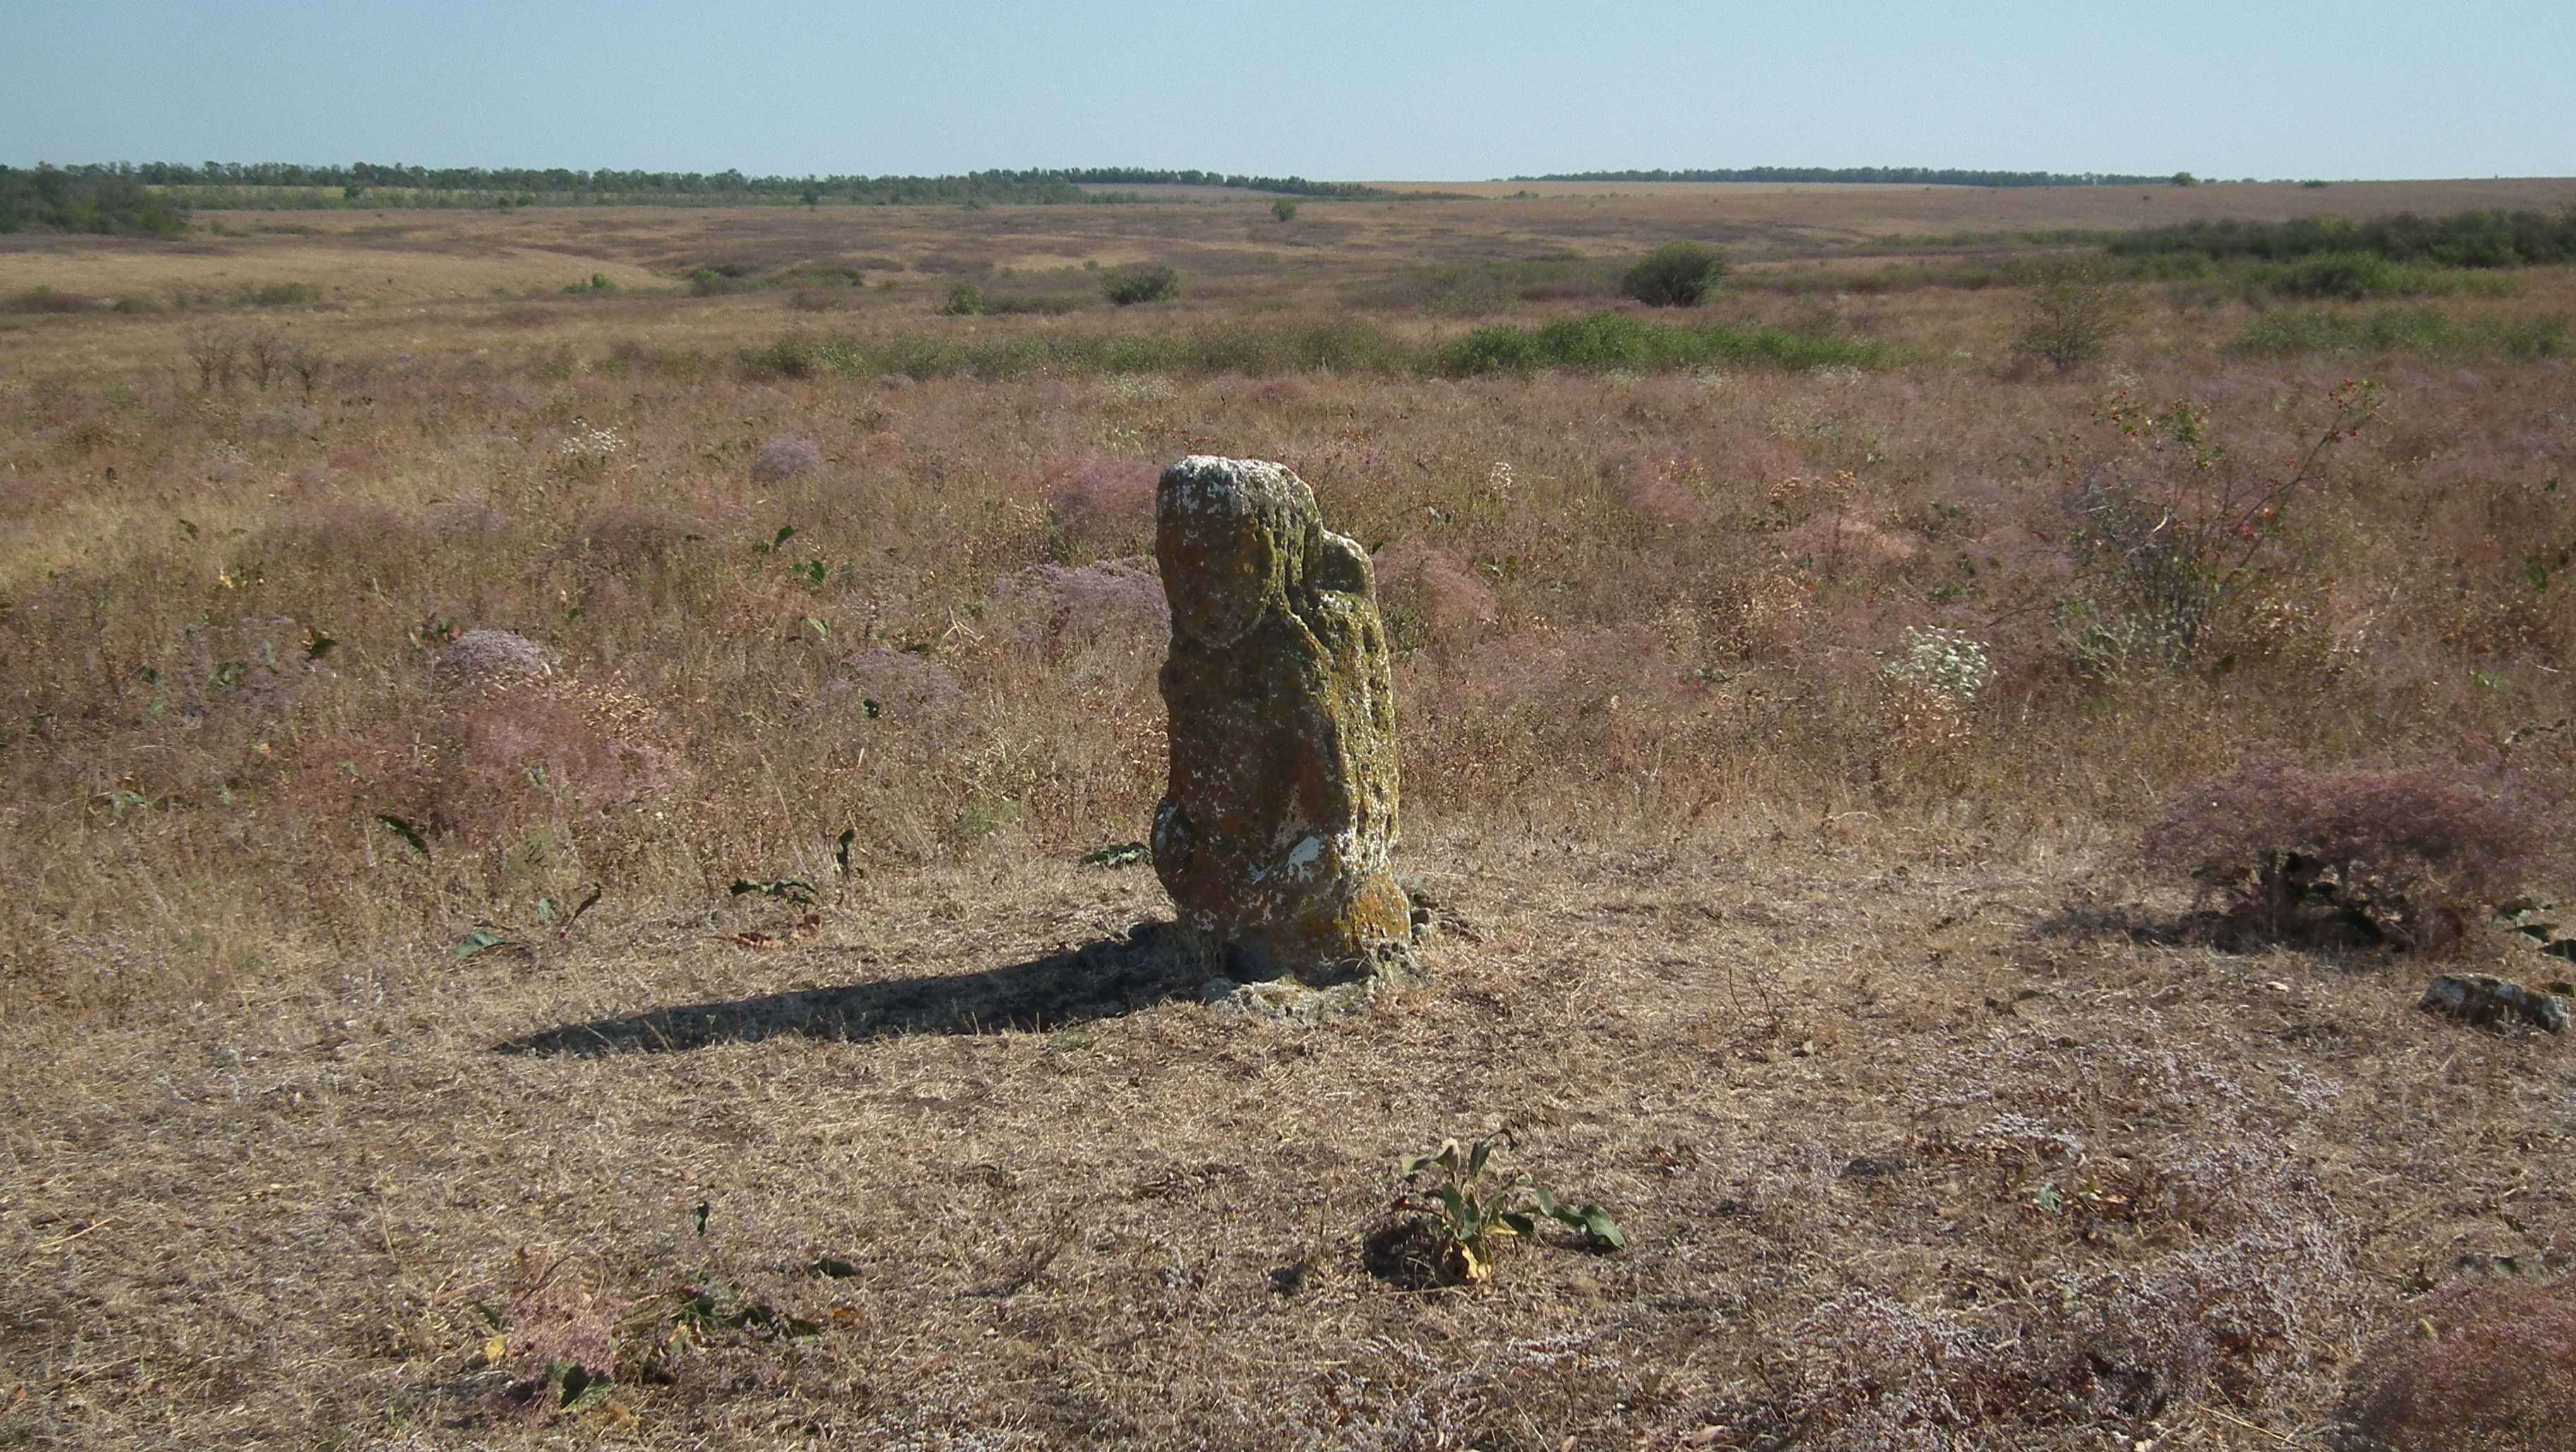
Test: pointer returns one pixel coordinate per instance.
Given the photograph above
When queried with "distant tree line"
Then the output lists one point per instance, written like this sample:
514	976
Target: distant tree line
84	199
1295	186
1911	175
2463	239
355	179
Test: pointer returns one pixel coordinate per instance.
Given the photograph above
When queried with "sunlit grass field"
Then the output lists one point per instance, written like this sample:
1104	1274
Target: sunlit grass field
445	658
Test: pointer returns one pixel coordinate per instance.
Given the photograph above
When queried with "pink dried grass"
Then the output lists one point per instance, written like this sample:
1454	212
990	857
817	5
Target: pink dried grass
2410	855
1435	584
2485	1367
1055	610
1103	501
531	736
1660	498
784	458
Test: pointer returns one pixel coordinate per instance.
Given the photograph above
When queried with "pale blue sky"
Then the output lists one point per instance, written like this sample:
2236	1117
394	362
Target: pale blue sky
1325	89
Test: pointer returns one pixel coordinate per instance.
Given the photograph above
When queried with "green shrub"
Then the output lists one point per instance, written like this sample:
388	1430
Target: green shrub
86	200
2464	239
821	277
2354	275
1043	304
726	277
1139	283
1675	275
2418	330
1602	342
1284	209
965	300
793	356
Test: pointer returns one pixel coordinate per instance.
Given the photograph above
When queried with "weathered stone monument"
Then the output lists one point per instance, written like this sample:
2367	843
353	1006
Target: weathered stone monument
1276	837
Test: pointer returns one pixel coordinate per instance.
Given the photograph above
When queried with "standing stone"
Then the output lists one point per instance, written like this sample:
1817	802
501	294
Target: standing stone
1276	838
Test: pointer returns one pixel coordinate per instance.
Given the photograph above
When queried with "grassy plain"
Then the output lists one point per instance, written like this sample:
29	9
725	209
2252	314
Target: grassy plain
1932	1122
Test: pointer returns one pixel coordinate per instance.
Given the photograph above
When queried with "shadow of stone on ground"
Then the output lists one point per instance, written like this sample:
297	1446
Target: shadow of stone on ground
1103	979
2308	928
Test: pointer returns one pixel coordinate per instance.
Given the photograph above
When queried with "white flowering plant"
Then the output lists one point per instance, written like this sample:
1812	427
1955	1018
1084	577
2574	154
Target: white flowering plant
1949	661
590	448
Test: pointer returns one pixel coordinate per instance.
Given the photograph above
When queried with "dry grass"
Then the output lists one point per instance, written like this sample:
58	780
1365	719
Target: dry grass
1835	978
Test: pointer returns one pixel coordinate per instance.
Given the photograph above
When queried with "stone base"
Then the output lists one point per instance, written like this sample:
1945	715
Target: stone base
1289	1000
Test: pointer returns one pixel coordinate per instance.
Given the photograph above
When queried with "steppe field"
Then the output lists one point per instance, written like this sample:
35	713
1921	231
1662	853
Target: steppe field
560	771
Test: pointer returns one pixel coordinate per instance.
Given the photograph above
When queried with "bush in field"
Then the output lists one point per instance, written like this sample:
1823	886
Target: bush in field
2170	526
796	356
2074	312
1675	275
2408	857
1143	282
965	300
725	277
2355	276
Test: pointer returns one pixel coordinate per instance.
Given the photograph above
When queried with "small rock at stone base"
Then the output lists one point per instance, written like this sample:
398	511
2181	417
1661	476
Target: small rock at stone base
2485	998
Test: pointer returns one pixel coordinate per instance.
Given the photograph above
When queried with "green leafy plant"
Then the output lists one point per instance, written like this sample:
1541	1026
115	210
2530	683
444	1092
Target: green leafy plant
1475	1205
481	941
1284	209
1675	275
693	1318
965	300
1125	854
410	832
576	1387
561	919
